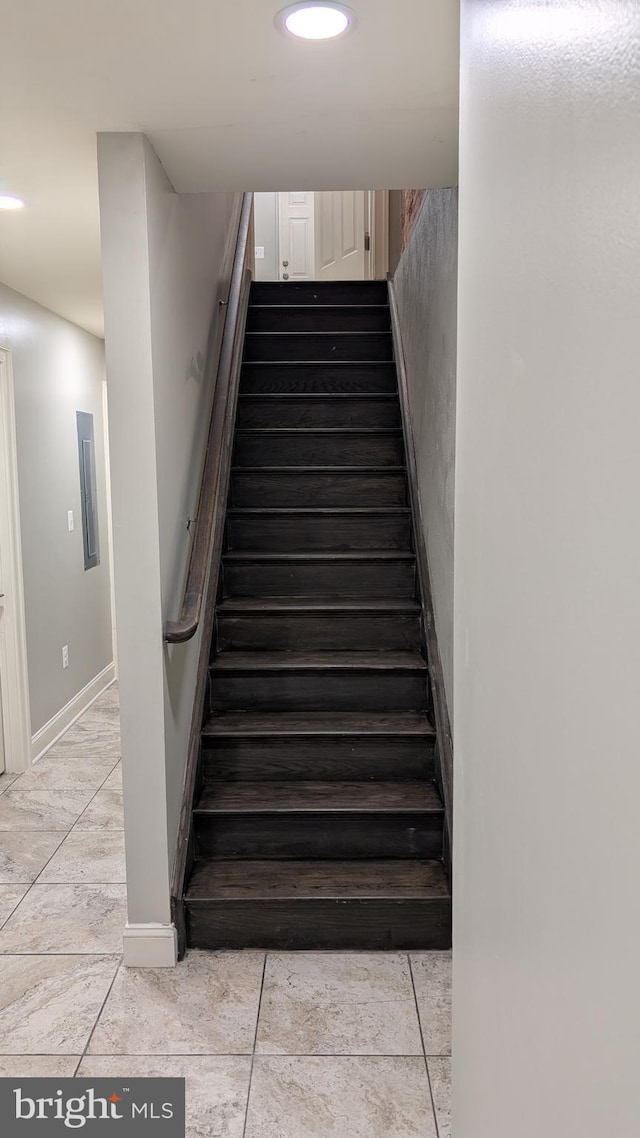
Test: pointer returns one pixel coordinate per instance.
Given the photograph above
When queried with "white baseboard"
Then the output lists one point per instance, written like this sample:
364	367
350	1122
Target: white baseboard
62	721
150	946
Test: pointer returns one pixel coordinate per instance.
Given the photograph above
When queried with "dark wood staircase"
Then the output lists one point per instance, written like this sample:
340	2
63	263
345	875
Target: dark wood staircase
317	821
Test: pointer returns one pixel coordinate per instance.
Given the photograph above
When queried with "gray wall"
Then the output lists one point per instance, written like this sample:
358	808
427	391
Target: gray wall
58	369
547	598
266	234
426	284
166	263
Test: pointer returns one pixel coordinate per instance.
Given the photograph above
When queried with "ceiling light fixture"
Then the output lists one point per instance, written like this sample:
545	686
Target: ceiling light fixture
8	201
316	21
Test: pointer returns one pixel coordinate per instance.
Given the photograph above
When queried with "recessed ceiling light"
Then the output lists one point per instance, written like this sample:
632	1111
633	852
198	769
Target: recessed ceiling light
316	21
8	201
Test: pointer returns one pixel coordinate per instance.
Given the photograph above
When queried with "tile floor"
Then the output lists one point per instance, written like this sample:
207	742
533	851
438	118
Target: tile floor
282	1045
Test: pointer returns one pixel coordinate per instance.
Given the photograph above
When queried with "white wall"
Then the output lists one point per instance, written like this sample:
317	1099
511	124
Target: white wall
547	597
166	262
58	369
426	288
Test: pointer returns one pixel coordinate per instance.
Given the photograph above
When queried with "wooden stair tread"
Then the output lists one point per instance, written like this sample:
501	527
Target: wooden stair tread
330	511
316	604
279	431
388	365
299	880
313	292
254	724
327	306
350	555
312	661
315	396
301	797
318	470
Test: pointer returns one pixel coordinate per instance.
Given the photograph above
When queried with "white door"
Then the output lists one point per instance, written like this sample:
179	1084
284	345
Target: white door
340	235
296	236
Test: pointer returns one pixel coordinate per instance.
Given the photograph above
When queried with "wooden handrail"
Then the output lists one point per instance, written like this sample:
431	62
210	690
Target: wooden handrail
219	441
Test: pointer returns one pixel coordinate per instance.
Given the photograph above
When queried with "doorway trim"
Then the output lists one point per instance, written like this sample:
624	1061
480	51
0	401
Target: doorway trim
378	221
14	691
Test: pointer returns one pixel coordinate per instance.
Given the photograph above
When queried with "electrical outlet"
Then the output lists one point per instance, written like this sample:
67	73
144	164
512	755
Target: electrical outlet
70	522
65	655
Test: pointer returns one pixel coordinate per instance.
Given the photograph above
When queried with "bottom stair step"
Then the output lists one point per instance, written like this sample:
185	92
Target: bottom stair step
374	904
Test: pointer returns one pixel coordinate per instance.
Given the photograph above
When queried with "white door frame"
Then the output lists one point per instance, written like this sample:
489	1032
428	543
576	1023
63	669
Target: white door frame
16	713
378	218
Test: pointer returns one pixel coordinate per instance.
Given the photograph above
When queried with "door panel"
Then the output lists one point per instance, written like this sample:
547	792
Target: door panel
297	248
339	224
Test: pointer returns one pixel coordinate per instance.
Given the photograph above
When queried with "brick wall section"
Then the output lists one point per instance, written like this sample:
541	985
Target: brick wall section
411	201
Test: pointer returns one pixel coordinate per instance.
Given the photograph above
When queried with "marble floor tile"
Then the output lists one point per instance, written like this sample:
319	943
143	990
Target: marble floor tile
38	1066
338	1004
41	809
440	1076
49	1004
432	979
23	855
6	780
90	742
104	812
10	897
95	733
104	713
114	781
67	769
340	1097
216	1087
103	725
67	919
207	1005
94	857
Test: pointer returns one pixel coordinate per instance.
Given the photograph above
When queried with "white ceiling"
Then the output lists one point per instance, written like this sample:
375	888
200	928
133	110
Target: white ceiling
228	102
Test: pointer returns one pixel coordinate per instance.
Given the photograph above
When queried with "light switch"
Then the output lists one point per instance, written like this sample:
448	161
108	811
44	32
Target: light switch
259	252
70	522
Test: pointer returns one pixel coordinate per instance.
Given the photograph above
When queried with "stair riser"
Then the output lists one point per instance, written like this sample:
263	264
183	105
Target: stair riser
262	490
302	632
321	925
266	378
351	758
308	448
319	292
299	346
294	411
334	579
346	690
308	318
309	533
323	835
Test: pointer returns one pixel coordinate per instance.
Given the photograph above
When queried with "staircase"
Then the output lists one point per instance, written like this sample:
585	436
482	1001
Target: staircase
317	822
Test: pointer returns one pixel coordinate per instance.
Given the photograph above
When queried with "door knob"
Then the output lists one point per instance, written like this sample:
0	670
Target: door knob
285	264
285	276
